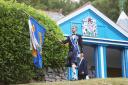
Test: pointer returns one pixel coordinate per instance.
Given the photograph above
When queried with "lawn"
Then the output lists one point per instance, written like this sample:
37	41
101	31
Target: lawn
108	81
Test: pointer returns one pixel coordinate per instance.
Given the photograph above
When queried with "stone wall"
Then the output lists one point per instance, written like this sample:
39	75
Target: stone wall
52	75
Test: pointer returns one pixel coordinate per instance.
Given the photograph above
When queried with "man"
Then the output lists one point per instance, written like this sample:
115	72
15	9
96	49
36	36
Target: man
75	50
82	69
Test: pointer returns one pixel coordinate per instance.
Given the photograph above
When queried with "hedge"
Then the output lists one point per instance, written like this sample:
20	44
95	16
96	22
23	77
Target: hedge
16	64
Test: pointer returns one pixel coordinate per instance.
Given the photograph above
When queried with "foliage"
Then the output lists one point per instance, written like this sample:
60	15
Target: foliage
82	2
126	7
108	7
111	8
16	64
64	6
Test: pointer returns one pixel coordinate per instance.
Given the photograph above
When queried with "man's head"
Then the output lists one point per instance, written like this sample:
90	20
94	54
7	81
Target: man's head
74	29
81	55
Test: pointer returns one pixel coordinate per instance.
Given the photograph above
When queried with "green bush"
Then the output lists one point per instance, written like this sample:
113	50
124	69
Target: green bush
16	64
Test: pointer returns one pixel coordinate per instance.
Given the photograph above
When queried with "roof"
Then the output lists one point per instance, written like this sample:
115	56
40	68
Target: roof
54	15
123	21
89	6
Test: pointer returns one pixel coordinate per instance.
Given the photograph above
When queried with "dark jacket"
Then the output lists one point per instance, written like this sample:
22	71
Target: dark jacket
72	54
82	67
70	43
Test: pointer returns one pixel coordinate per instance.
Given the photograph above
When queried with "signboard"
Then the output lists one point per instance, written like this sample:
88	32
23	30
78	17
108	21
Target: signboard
89	27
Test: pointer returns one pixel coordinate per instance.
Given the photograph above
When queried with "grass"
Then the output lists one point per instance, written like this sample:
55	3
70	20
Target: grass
108	81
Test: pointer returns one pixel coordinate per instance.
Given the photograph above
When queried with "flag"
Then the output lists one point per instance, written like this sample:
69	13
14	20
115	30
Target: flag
37	33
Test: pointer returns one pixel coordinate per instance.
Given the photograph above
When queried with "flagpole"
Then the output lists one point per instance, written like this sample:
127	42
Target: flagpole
26	13
39	24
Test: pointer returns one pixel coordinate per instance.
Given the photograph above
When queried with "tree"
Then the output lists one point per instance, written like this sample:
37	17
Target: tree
85	1
16	65
126	7
109	7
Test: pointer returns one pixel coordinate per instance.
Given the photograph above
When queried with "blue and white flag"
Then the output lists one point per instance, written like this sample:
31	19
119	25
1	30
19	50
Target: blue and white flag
37	33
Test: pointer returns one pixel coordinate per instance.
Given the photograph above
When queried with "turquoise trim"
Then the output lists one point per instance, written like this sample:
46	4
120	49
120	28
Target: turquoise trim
69	77
100	64
96	63
103	41
70	73
105	63
125	63
101	67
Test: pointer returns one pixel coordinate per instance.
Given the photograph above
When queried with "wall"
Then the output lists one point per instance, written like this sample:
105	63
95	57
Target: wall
52	75
104	29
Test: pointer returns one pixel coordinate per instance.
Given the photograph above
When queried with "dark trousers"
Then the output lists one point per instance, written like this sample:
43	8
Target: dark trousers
72	58
81	76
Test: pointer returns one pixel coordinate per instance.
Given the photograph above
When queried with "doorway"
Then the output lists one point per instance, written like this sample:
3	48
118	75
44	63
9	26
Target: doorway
113	60
88	51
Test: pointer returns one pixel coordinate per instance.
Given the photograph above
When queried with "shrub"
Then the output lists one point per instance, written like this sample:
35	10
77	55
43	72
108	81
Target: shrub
16	64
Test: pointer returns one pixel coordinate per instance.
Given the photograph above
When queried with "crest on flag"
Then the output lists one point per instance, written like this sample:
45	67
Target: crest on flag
89	27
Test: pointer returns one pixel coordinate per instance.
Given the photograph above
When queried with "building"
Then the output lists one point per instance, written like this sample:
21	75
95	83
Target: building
105	43
75	1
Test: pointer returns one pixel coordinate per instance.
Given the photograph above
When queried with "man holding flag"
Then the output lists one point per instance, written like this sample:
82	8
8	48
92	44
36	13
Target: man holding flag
75	51
37	33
